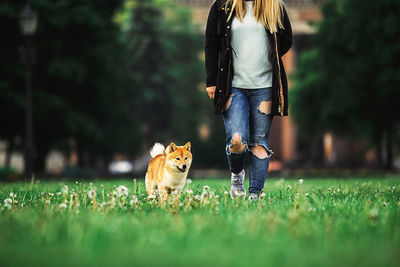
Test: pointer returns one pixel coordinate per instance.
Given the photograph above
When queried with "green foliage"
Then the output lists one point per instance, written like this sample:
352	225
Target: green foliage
113	76
326	222
348	83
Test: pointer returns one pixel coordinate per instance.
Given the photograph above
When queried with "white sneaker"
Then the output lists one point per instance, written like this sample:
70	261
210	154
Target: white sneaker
253	197
237	188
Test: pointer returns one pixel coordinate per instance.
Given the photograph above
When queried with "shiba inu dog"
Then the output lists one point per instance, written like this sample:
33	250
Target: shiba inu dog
168	168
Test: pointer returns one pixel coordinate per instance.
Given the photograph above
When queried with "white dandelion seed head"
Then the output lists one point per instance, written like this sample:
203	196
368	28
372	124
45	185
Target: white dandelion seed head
226	193
8	201
306	194
92	194
206	187
189	191
65	189
13	195
63	206
122	191
188	181
301	181
134	200
151	197
289	187
47	201
338	190
58	193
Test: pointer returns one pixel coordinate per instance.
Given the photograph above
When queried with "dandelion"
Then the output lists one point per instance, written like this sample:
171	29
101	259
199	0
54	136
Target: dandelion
301	181
189	191
306	194
226	193
47	202
197	197
188	181
65	189
58	193
151	197
8	201
203	195
63	206
51	194
288	187
122	191
338	190
134	200
76	182
206	187
12	195
263	195
92	194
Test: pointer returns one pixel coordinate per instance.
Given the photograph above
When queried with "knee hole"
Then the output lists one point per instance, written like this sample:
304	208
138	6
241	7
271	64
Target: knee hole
237	145
260	152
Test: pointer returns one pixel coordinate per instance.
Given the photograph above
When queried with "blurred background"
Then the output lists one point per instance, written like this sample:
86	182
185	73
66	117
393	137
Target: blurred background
86	88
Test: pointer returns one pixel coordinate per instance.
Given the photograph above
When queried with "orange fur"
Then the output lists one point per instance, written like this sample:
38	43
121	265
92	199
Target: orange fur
166	171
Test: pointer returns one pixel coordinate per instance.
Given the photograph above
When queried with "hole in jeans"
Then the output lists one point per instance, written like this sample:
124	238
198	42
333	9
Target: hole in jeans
265	107
260	152
237	146
228	102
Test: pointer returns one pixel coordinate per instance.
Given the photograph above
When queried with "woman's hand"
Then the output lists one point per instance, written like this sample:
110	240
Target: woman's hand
211	91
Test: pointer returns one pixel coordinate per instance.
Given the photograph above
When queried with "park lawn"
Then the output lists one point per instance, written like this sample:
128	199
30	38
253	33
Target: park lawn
321	222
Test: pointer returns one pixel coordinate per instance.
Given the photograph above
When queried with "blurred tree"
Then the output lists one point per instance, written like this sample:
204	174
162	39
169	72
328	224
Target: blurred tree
165	49
80	75
349	83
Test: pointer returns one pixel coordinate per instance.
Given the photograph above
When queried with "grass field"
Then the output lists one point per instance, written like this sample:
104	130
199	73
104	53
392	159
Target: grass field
329	222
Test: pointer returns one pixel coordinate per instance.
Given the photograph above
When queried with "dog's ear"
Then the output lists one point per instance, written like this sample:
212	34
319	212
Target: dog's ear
188	146
171	148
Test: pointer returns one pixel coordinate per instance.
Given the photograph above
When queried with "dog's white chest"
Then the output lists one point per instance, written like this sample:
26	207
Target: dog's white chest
175	182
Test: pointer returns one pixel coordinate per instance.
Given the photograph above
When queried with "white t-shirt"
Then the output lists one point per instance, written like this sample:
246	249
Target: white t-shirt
252	69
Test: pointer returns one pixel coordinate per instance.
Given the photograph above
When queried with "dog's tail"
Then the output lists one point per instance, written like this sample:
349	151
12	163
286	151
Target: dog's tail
157	149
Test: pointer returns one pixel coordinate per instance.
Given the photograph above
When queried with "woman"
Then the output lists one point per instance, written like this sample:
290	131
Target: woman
244	43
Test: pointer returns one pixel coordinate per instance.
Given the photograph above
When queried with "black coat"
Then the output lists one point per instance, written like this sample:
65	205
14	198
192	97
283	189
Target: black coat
218	53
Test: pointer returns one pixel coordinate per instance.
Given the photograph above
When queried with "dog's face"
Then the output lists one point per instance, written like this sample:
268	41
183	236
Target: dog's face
179	158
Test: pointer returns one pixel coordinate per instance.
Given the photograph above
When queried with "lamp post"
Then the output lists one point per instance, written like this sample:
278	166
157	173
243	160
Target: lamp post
28	23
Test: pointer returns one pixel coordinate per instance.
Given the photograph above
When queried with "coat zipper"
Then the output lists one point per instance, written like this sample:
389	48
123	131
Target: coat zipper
281	100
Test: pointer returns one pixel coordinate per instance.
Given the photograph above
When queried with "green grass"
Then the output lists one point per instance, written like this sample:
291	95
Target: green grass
312	224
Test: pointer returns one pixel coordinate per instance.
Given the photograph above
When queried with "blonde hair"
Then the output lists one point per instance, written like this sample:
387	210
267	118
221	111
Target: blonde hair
268	12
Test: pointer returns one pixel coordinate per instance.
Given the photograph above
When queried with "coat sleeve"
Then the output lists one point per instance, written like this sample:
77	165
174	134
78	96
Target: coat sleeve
211	46
286	38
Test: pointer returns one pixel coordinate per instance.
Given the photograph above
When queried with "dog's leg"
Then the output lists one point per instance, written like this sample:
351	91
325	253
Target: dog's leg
149	184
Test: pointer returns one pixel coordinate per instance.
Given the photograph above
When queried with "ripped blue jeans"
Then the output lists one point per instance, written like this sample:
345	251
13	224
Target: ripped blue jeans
248	119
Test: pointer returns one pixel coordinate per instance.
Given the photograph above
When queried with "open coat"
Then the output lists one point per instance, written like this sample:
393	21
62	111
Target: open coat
218	58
